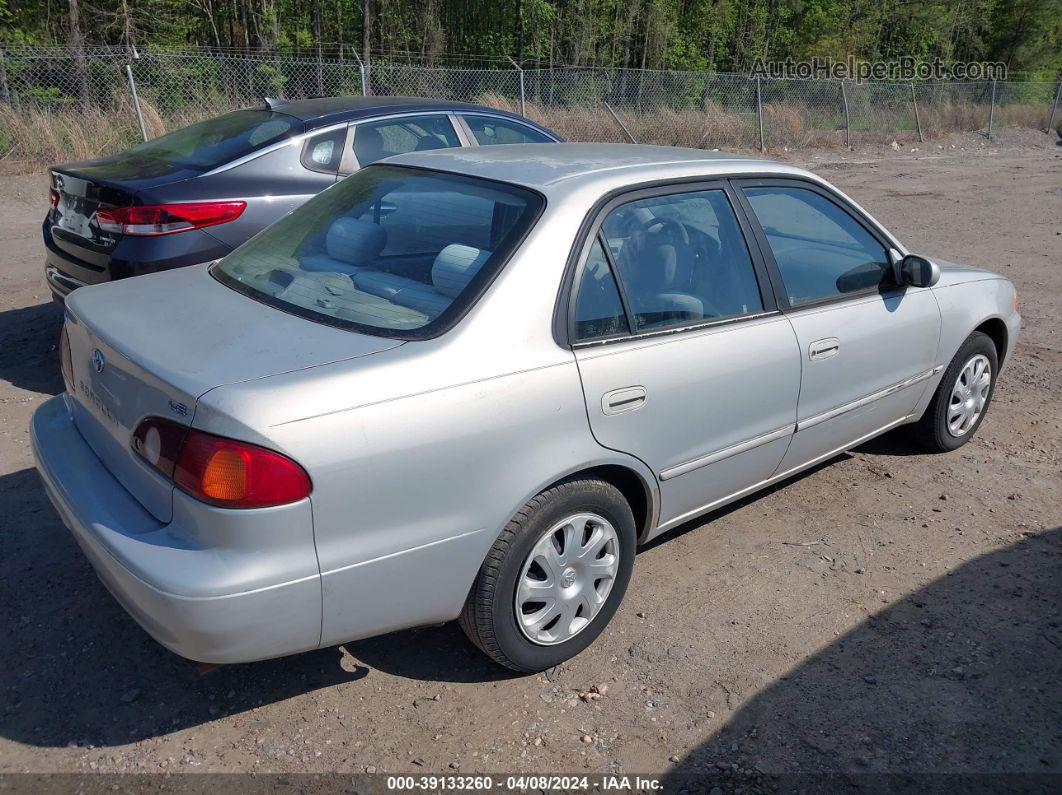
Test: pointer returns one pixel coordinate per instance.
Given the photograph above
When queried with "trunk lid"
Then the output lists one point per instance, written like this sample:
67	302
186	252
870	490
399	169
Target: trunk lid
151	346
107	182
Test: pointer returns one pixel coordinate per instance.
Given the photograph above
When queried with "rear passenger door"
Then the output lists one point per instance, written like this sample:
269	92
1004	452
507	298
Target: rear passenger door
685	361
868	344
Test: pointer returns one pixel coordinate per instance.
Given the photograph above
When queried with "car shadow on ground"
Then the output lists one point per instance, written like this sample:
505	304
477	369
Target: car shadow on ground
964	676
899	442
718	513
78	670
29	348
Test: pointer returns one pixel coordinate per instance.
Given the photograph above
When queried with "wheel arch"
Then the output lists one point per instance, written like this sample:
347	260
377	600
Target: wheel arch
634	489
996	330
633	480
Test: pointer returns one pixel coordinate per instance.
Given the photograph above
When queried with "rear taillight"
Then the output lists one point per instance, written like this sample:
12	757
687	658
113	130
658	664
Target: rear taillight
165	219
65	361
238	475
220	471
53	197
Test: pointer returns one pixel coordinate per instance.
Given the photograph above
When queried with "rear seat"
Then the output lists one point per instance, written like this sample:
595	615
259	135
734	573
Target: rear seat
348	244
454	268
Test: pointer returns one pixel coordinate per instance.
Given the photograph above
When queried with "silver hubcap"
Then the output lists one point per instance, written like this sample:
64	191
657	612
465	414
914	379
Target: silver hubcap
566	578
969	395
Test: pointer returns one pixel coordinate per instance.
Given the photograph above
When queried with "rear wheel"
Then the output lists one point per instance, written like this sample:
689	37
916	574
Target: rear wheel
554	578
962	398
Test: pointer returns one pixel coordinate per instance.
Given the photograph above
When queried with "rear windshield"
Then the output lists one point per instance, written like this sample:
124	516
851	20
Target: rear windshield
391	250
217	141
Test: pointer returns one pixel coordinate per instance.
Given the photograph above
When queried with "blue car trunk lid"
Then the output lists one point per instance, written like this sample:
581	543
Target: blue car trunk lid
83	188
152	345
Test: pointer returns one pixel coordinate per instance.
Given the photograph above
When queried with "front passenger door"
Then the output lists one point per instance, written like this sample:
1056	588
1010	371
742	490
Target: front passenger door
685	362
868	344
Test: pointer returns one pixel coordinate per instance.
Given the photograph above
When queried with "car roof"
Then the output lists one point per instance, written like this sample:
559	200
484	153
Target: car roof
320	111
546	166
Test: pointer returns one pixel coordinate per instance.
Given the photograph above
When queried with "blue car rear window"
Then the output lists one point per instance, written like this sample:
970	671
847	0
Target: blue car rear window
220	140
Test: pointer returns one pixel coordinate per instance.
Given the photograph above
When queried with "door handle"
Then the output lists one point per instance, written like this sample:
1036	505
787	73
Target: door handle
619	401
824	348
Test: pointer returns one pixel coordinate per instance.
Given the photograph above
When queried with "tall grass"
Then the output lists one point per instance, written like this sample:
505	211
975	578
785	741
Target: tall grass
794	126
35	137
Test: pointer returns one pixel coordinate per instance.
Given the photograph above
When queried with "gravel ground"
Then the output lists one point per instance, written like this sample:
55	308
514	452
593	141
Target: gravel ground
888	611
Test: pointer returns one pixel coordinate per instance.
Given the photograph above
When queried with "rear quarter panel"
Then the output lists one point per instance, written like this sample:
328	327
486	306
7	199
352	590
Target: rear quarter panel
410	493
273	184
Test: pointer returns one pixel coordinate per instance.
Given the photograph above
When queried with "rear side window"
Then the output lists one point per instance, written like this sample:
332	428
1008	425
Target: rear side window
218	141
323	152
391	250
488	130
682	259
376	140
598	307
821	250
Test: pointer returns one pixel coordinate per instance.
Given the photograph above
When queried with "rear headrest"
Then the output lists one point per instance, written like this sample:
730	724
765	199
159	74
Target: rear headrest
355	242
455	266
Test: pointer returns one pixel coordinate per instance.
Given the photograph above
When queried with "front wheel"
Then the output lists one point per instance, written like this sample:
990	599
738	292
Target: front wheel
554	578
962	397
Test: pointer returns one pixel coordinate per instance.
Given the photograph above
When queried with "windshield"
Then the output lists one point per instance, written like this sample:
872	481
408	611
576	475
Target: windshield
217	141
390	250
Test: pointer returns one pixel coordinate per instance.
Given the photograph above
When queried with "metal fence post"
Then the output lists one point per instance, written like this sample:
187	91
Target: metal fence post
914	104
364	74
5	93
847	119
136	101
520	72
991	109
622	126
1054	107
759	112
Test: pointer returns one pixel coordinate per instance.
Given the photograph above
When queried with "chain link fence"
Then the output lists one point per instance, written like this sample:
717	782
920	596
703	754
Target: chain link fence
68	92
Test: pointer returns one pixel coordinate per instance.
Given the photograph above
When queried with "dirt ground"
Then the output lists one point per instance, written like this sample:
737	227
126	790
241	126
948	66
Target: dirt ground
890	611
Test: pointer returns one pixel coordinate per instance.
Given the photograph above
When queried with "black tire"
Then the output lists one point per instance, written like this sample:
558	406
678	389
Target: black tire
931	431
489	616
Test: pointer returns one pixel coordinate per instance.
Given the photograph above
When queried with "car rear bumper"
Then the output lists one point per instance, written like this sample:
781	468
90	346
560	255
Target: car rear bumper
183	593
60	283
131	256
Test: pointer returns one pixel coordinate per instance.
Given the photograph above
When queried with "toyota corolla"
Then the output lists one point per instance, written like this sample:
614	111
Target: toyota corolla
468	384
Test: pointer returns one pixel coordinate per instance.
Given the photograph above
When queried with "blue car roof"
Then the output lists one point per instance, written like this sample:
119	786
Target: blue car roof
320	111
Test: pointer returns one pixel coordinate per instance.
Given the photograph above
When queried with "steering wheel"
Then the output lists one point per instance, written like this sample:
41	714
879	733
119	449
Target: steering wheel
675	228
678	234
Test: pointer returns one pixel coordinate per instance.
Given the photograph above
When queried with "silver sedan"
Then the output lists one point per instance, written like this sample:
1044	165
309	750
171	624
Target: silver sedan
470	383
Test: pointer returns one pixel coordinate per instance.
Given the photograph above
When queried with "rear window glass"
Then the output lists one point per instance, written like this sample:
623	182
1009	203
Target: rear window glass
217	141
391	250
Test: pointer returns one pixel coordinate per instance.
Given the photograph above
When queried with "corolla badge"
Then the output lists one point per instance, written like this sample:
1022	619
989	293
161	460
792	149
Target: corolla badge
98	362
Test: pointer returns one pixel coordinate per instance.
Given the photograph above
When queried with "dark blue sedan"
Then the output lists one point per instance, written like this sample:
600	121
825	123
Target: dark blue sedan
194	194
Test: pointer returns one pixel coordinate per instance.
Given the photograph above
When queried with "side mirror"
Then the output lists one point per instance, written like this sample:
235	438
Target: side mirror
918	271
